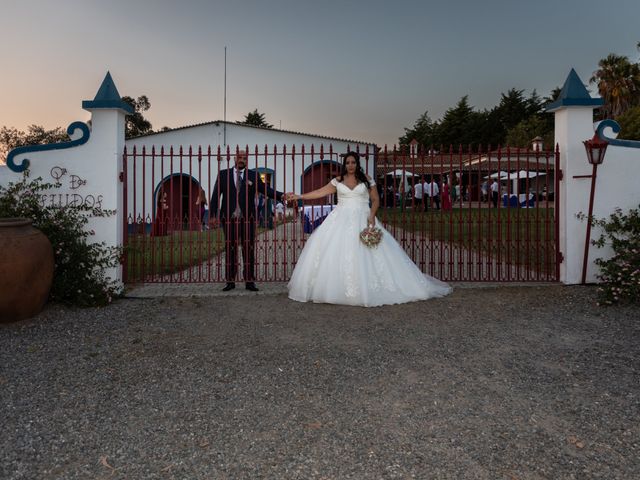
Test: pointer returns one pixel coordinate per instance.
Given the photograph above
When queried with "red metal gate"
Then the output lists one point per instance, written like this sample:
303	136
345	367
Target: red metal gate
464	215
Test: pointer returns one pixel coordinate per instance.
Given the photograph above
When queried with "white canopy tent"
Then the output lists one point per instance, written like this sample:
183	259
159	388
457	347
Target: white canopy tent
401	173
502	175
515	177
404	174
525	174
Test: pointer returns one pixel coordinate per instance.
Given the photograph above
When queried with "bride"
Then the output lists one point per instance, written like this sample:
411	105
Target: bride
336	267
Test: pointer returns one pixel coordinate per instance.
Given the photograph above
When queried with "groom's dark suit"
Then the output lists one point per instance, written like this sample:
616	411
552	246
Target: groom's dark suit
238	216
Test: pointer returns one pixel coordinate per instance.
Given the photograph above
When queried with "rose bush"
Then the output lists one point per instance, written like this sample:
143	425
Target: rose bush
620	274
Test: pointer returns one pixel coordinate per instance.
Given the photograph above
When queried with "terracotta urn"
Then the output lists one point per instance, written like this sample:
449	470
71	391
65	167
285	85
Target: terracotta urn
26	269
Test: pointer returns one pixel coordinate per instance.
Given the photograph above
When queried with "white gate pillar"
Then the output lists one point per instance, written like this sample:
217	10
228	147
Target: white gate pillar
87	168
573	124
108	113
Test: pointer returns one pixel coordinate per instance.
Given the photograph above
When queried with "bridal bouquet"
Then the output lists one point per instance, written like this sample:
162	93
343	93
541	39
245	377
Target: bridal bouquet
371	236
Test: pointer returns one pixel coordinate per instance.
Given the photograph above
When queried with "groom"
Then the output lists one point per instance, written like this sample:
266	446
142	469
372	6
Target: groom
238	187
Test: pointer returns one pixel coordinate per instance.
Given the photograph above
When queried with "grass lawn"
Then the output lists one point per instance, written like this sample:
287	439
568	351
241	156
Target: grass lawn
512	235
475	225
171	253
522	235
163	255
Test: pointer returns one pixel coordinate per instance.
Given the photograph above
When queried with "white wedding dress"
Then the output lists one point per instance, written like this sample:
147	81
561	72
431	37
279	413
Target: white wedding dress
336	267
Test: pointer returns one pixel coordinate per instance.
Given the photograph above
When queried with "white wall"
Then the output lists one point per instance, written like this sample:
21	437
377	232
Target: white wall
88	174
616	186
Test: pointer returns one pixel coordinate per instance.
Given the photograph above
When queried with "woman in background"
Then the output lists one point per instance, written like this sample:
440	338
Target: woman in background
446	195
162	214
201	205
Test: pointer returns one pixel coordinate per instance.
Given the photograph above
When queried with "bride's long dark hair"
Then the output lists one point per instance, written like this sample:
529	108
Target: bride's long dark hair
360	175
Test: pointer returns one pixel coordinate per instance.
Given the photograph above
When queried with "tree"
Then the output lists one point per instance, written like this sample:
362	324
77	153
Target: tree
618	82
535	104
464	126
422	131
256	119
460	125
630	124
525	131
136	123
553	96
513	109
11	138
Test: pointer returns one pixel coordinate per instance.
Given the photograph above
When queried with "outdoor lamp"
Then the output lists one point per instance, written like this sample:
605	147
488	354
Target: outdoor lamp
596	148
537	144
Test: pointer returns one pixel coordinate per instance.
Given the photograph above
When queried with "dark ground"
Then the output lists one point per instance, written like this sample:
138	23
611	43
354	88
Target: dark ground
488	383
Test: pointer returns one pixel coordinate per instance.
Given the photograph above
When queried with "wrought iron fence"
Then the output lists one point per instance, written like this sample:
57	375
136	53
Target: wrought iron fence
461	215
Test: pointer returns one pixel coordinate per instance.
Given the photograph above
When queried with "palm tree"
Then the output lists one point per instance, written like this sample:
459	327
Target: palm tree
553	95
618	83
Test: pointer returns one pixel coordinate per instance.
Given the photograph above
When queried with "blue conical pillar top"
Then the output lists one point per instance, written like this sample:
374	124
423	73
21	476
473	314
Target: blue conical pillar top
107	97
574	93
107	90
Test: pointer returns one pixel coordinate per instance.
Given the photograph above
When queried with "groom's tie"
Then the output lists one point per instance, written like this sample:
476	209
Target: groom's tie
238	213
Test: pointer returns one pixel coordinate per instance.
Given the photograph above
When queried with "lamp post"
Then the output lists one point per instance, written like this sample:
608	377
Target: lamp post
596	149
537	144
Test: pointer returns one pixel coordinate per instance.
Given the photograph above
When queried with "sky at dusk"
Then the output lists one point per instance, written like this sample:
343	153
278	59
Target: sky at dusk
362	70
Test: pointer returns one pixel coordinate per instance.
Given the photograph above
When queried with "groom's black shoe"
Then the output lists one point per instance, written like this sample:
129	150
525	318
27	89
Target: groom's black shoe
229	286
252	286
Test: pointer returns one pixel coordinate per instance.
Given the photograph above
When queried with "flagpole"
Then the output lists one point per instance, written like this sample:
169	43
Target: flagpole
224	127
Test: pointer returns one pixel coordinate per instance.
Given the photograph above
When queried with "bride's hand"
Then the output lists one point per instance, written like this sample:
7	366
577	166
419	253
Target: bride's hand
372	220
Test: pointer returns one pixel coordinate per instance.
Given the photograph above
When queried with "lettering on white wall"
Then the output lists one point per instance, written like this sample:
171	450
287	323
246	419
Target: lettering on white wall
73	182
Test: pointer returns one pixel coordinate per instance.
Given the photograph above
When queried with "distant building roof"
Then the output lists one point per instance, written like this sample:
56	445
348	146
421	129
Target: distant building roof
217	122
444	163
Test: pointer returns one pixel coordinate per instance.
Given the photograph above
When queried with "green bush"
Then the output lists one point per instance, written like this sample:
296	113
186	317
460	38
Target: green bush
620	274
79	277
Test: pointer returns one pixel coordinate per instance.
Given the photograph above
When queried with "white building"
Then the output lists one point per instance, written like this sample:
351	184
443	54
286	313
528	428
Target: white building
186	159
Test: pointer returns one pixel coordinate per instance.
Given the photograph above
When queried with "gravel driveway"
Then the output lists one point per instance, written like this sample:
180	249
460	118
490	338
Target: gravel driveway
531	382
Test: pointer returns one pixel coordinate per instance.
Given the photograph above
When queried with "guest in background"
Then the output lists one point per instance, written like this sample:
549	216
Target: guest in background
495	191
201	205
160	226
426	188
434	193
485	191
418	193
279	212
446	195
389	197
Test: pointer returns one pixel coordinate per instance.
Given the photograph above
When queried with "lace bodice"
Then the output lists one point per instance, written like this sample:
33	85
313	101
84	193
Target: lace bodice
358	195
